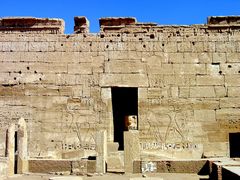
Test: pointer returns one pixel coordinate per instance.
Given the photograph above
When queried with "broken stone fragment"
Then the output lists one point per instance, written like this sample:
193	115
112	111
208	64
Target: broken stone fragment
223	20
117	21
32	24
81	25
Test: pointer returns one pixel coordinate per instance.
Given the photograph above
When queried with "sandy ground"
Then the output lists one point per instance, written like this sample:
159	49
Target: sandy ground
165	176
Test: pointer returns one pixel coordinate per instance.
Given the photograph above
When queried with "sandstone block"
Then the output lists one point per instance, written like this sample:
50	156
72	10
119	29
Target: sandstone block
184	92
66	178
227	114
219	57
225	47
184	46
228	68
189	68
202	91
212	69
210	80
170	47
163	69
233	57
190	58
115	162
82	68
38	46
177	58
122	67
124	80
101	148
221	91
131	149
232	80
233	91
205	115
229	102
19	46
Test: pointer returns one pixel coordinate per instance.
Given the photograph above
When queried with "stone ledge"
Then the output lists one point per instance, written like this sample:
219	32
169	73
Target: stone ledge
81	25
223	20
32	24
174	166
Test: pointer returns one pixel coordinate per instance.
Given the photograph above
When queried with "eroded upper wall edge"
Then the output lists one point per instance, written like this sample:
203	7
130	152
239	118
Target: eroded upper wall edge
107	24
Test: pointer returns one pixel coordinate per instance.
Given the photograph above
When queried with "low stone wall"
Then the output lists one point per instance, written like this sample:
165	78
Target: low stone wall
51	166
200	167
3	167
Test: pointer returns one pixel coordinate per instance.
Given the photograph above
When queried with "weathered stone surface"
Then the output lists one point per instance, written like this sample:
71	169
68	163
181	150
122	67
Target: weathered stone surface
201	91
22	24
205	115
47	166
115	162
4	172
124	80
101	148
81	24
187	79
11	149
66	178
131	149
22	144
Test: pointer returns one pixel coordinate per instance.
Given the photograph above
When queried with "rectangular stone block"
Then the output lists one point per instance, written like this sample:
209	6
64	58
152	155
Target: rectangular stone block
210	80
219	57
232	80
230	69
38	46
47	166
163	69
101	148
233	91
227	114
189	68
213	69
176	58
127	67
184	46
82	68
184	92
226	47
233	57
170	46
175	166
19	46
4	166
131	149
123	80
191	58
202	91
205	115
229	102
221	91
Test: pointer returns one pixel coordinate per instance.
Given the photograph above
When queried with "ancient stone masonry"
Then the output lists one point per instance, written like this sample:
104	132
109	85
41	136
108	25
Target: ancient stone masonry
187	80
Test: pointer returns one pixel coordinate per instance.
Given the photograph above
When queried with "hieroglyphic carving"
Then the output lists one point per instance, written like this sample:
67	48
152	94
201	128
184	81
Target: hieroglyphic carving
169	131
167	146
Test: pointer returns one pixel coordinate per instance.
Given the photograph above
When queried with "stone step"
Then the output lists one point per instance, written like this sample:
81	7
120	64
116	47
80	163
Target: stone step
115	162
66	178
112	147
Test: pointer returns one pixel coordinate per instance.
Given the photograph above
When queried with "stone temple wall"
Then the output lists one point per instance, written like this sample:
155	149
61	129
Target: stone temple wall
188	80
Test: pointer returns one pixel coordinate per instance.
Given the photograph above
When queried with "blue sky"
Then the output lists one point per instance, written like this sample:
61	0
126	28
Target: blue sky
162	12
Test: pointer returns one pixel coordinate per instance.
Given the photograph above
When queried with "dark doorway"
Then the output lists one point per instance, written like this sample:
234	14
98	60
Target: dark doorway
15	152
124	103
234	142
